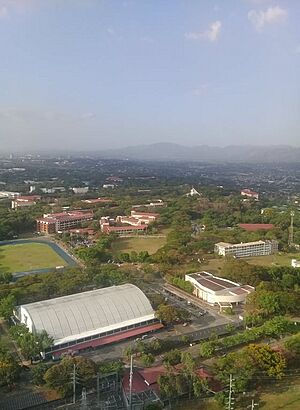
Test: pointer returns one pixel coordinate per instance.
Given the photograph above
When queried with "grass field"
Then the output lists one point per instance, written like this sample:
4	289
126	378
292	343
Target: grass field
29	256
138	244
215	265
287	399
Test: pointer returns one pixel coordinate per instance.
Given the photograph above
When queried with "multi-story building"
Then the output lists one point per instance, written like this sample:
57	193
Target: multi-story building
248	249
23	201
53	223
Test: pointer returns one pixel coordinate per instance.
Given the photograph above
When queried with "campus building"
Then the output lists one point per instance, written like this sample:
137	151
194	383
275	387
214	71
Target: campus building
144	217
123	230
218	291
24	201
53	223
90	319
247	249
249	193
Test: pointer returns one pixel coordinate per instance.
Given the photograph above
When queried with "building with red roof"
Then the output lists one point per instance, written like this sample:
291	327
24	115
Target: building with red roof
256	227
24	201
249	193
53	223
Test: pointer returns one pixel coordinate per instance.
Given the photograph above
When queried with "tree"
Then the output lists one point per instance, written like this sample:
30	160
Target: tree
271	362
167	314
5	277
58	377
189	367
293	345
207	349
172	357
9	368
7	305
38	372
167	386
147	359
240	365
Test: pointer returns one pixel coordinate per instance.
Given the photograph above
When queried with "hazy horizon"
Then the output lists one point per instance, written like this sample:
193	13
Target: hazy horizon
86	75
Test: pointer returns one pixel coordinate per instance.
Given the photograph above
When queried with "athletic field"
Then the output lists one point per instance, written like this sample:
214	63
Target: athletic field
138	244
28	257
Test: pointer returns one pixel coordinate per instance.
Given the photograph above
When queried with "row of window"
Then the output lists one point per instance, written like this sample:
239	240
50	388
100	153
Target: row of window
100	335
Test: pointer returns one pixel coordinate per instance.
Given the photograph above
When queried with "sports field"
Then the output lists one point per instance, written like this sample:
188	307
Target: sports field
138	244
28	257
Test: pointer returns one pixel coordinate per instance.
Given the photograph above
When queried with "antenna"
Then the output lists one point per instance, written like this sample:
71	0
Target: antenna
291	230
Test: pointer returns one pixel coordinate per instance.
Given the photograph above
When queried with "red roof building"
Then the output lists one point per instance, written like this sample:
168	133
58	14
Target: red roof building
52	223
256	227
249	193
22	201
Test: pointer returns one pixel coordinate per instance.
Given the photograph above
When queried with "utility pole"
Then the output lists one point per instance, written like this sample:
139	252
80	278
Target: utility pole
291	230
130	382
230	402
252	405
98	389
83	399
74	381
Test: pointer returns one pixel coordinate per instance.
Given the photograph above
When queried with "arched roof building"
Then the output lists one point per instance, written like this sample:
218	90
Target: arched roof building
84	316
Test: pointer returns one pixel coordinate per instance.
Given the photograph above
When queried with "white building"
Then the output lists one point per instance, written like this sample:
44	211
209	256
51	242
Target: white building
218	291
295	263
80	190
193	192
90	319
248	249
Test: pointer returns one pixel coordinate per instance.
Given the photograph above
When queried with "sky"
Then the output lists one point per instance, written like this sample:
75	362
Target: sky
98	74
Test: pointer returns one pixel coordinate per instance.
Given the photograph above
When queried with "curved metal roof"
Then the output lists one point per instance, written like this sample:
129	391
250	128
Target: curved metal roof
83	314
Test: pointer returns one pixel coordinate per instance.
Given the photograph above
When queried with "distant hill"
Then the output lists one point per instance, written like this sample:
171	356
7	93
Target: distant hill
204	153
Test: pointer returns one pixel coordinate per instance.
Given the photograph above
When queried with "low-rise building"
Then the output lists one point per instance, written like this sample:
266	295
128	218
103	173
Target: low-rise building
89	319
295	263
123	230
247	249
9	194
53	223
145	217
80	190
256	227
249	193
96	201
23	201
218	291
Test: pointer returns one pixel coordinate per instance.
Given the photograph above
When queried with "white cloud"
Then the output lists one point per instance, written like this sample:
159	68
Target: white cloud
210	34
272	15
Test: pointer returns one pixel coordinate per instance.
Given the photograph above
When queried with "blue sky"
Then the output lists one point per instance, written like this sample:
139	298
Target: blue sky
95	74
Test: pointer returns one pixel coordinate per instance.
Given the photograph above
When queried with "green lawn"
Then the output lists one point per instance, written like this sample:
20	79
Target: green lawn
215	265
27	257
287	397
138	244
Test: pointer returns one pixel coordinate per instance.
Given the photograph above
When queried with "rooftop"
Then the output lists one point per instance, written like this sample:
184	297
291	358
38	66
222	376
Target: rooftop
84	314
256	227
